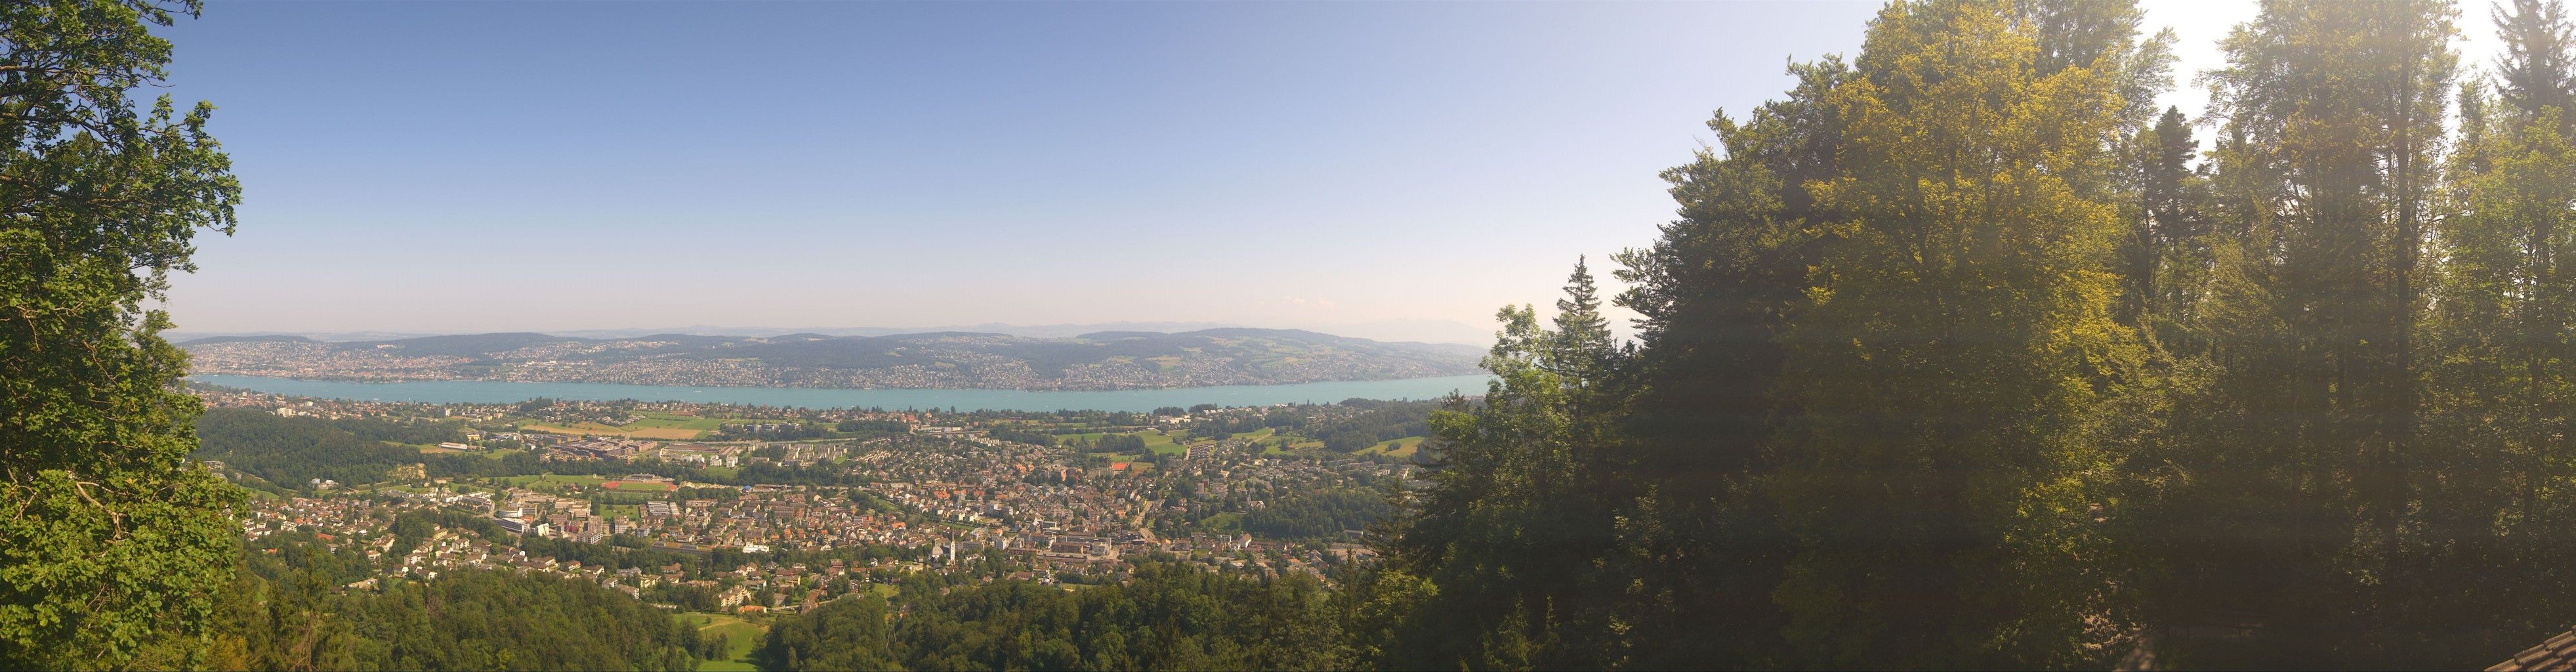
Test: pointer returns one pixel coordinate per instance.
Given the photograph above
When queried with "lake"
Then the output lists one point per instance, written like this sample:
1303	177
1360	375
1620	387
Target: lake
499	392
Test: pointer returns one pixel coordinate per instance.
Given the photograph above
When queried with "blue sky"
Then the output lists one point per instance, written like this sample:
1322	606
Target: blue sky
448	167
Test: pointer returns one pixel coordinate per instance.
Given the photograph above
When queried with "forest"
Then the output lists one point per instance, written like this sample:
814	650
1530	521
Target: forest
1320	515
1962	354
272	619
291	452
1164	618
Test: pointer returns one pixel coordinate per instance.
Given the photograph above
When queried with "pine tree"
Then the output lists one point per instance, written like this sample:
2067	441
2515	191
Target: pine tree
2538	66
1514	539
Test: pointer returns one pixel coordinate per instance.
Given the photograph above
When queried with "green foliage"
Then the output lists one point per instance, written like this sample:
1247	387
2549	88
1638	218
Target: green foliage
115	543
465	620
1954	359
878	426
1121	443
1516	532
1319	515
1384	421
1166	618
291	452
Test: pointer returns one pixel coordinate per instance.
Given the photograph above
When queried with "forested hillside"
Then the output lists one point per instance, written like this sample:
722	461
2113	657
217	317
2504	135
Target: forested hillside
1163	619
285	612
291	452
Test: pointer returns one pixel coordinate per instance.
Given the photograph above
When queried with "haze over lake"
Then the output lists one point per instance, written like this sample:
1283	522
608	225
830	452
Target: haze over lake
492	392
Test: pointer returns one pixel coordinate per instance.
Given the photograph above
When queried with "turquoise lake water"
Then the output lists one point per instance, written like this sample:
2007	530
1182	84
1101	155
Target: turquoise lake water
495	392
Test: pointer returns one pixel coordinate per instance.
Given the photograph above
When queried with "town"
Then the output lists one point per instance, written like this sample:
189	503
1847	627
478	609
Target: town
687	506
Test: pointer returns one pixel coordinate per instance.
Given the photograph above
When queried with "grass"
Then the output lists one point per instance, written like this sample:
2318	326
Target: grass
668	421
1403	447
740	638
721	472
523	481
660	428
640	486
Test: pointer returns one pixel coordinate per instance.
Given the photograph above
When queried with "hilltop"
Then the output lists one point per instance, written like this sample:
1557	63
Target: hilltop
950	359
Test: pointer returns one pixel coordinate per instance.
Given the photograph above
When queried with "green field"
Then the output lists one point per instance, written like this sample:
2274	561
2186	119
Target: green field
661	426
667	421
721	472
523	481
740	638
638	486
1403	447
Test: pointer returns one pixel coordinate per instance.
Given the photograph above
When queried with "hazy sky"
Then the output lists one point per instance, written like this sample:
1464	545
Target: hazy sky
503	166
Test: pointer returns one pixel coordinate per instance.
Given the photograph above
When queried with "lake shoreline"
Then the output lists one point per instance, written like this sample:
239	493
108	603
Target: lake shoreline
1130	400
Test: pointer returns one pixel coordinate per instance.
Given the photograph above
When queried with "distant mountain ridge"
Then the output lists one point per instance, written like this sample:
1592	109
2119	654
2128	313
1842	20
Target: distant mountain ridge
943	359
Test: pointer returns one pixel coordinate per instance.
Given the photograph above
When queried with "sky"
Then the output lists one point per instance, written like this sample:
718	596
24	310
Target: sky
1384	170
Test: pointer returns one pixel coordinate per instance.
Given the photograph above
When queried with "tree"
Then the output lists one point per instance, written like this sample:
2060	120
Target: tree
2306	455
2538	66
118	543
1959	326
1518	524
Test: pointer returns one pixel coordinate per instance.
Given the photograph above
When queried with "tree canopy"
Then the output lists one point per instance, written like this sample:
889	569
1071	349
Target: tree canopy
117	542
